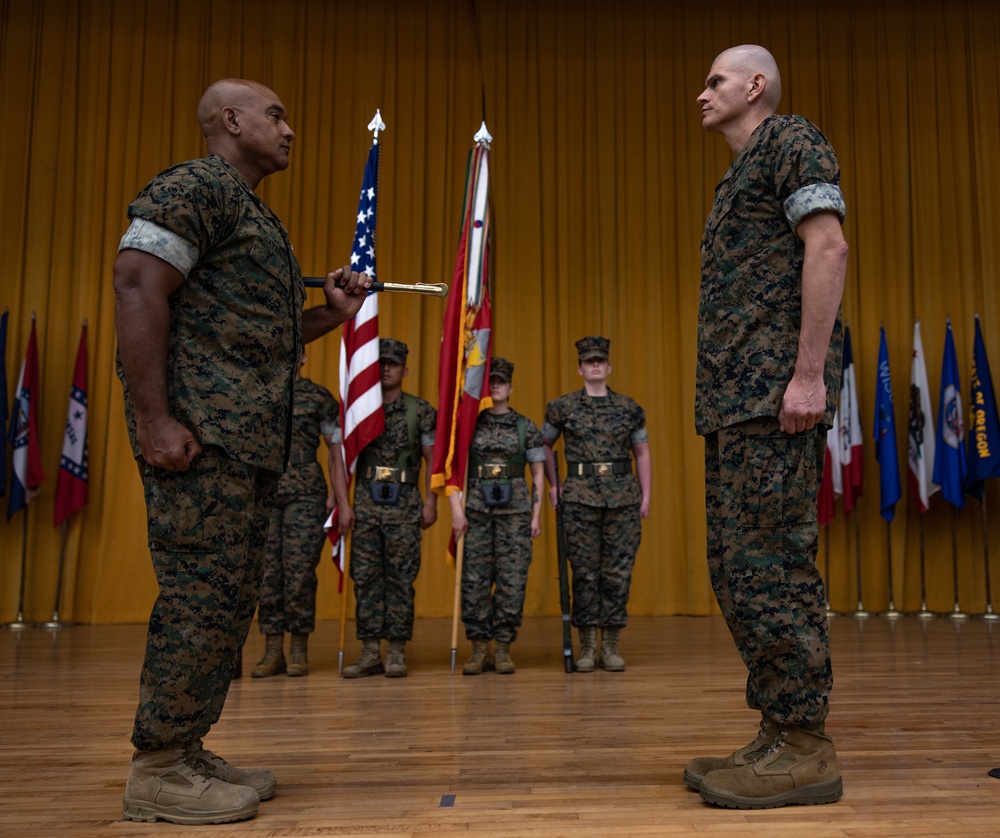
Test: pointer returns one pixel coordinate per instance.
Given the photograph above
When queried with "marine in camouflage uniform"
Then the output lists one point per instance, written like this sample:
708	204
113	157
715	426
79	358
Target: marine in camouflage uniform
296	536
602	499
764	353
209	320
498	522
385	547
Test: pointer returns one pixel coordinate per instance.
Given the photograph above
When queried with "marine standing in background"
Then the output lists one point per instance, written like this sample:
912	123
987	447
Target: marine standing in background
388	517
769	352
602	500
500	519
209	319
295	537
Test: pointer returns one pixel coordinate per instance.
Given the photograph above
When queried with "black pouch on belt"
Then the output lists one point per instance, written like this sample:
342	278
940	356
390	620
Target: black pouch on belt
496	494
385	494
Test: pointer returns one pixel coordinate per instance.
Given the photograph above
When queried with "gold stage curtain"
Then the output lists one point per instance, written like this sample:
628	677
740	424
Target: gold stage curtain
602	178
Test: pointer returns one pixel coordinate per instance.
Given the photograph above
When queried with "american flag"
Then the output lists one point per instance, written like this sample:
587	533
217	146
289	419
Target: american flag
361	415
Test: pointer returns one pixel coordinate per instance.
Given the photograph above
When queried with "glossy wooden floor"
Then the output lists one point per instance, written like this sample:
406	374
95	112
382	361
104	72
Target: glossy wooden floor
539	753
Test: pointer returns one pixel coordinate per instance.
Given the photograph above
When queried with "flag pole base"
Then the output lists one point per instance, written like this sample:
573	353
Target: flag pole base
17	625
831	613
340	662
454	652
55	623
923	614
861	614
891	613
958	614
989	615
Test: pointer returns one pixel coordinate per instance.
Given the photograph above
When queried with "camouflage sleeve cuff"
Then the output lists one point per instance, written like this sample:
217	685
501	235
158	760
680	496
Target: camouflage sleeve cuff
159	241
816	197
550	432
331	429
427	439
638	437
535	455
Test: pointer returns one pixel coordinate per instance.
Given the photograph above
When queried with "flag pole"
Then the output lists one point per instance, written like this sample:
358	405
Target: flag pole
924	613
989	614
826	546
55	622
345	559
891	611
19	622
860	613
956	613
459	557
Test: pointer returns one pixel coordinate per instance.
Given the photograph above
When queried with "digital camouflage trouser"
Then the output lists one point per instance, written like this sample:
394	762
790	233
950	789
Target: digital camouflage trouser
295	541
602	544
760	498
385	560
495	563
207	528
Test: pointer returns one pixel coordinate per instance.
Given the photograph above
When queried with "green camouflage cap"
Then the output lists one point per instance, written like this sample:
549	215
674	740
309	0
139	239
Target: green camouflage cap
392	350
501	368
593	347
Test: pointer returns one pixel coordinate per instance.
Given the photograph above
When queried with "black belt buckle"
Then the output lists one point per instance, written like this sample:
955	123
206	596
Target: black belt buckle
385	494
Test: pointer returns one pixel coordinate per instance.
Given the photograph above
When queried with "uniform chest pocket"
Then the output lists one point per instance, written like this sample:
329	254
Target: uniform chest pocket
271	259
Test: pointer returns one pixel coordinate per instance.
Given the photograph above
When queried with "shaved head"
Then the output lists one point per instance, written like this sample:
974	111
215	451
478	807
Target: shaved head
749	60
235	93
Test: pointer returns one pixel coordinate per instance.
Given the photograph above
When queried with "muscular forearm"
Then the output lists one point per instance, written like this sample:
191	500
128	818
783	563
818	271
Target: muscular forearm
143	285
823	271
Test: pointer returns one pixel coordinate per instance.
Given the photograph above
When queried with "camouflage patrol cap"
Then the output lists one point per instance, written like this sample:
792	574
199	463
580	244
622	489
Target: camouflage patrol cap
593	347
392	350
501	368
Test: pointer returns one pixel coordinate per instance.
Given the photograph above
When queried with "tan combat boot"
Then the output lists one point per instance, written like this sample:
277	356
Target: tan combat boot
700	766
800	767
478	661
610	659
501	658
298	662
587	659
273	662
210	764
369	662
164	785
395	659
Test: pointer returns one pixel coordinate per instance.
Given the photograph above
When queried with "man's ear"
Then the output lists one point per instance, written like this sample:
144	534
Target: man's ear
757	84
230	120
